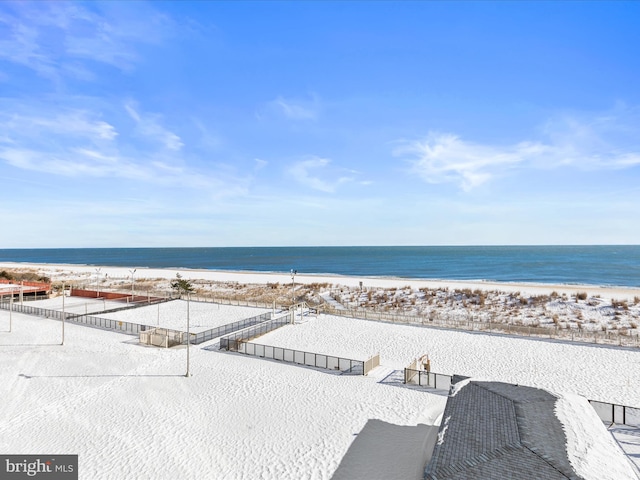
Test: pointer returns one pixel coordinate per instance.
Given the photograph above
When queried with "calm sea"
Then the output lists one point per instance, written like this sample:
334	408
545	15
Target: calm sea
594	265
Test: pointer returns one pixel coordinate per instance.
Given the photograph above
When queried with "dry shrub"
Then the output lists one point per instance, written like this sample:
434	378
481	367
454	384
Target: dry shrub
619	304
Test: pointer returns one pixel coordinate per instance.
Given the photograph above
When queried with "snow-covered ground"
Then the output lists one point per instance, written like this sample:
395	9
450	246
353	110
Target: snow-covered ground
76	305
596	372
129	412
173	314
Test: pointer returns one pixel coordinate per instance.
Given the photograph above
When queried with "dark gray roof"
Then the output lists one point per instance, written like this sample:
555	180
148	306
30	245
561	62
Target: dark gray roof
493	430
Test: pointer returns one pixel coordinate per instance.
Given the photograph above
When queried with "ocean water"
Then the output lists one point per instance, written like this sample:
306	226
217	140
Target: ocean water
592	265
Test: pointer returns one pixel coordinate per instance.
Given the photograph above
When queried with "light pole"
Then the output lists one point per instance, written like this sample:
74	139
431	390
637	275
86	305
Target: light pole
293	288
63	313
132	282
293	293
11	311
188	335
97	280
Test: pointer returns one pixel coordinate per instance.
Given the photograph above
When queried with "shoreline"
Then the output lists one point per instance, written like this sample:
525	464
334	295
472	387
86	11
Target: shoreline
59	272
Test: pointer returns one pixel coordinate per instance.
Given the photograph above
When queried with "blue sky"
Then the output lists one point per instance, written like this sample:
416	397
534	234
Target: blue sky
319	123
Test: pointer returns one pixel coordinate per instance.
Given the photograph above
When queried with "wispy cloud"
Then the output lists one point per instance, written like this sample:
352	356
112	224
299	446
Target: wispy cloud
149	125
604	142
307	172
442	158
80	143
295	108
59	39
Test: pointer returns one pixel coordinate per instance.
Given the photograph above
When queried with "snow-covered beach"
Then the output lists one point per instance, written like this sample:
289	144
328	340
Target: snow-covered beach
128	411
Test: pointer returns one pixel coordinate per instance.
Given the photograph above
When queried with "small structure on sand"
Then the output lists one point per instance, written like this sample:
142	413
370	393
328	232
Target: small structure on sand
161	337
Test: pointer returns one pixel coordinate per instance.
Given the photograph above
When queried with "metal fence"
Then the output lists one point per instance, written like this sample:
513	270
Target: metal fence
29	310
231	327
232	301
328	362
463	321
125	327
231	342
108	324
619	414
423	378
608	412
134	328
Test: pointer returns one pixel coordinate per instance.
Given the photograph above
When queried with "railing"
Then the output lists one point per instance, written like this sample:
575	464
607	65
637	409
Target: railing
25	283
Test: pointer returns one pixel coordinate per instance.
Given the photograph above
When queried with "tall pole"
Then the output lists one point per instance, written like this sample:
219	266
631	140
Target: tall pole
188	335
132	282
293	288
11	311
63	313
293	293
97	282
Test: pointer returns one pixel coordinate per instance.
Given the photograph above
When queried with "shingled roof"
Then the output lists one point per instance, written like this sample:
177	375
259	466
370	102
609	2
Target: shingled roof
493	430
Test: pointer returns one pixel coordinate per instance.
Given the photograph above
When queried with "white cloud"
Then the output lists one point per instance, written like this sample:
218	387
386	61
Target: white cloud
149	126
296	109
58	39
306	171
70	123
441	158
69	142
604	142
260	164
